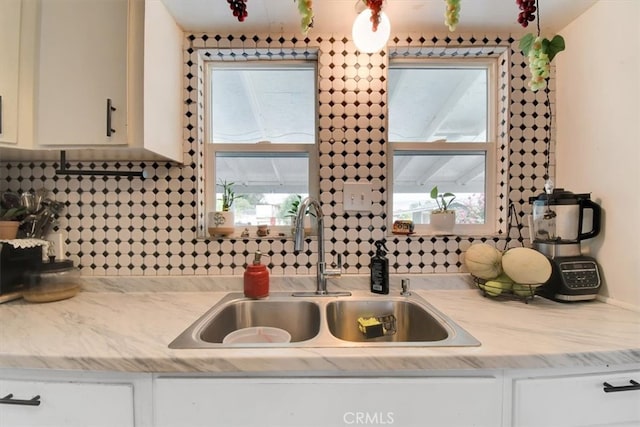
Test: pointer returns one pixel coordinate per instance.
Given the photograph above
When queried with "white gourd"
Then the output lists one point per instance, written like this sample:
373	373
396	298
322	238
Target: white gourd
526	266
483	261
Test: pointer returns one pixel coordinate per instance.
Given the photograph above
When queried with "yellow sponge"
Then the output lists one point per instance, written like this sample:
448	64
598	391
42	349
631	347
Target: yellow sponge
370	327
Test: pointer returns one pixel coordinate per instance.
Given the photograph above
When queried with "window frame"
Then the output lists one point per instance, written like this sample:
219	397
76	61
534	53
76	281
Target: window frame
211	148
489	148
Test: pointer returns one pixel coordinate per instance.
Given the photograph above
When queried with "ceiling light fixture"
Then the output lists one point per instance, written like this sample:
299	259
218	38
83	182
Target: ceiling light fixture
367	40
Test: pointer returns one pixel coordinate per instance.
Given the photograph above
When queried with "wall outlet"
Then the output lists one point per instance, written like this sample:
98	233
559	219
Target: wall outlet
357	196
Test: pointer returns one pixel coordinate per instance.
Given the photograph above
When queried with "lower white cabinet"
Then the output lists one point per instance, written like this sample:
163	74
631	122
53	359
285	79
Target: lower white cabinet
494	398
70	399
577	400
326	402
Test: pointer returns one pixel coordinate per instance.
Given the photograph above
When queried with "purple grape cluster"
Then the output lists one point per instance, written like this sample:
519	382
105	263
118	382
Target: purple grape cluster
239	8
527	11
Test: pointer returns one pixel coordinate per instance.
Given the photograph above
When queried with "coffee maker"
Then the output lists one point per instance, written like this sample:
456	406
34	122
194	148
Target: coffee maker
560	221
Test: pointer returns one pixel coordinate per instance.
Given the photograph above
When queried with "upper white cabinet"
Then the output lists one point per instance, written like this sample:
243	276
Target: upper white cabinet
82	73
101	76
9	69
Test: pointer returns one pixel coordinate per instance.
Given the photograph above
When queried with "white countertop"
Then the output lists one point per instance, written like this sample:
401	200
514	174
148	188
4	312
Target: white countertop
126	325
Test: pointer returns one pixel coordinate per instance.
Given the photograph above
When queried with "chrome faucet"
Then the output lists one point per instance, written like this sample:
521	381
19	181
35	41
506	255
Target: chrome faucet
308	205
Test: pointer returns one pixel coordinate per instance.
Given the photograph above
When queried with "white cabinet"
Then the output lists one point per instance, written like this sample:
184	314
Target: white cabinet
577	400
66	404
101	77
82	73
282	402
9	69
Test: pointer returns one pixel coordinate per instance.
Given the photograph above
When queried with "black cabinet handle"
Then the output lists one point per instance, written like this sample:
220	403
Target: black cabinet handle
608	388
9	400
110	109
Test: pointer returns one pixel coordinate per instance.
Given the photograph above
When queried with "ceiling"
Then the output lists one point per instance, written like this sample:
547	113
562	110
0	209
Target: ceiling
336	16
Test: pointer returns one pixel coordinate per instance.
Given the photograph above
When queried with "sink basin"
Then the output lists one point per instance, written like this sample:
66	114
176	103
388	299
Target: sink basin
411	321
325	321
299	317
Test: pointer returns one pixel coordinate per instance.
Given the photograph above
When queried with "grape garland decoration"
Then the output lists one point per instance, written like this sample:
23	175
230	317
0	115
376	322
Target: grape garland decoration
540	51
376	7
306	13
527	11
452	14
239	8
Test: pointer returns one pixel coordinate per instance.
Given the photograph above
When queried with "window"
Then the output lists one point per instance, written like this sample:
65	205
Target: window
442	119
261	127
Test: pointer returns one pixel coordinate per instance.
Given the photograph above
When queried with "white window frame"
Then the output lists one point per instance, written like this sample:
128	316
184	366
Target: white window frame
488	148
211	147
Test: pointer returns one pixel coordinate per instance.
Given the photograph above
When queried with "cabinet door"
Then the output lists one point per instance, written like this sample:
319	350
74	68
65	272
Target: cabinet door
82	65
9	69
579	400
436	401
67	404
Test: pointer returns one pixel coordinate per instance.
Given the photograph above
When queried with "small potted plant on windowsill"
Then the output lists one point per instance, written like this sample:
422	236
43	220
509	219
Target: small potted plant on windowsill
11	213
221	223
442	219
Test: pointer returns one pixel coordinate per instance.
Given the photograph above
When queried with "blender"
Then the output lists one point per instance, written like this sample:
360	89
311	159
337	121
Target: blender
560	221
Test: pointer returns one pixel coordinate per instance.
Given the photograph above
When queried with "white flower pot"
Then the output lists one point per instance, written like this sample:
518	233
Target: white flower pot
442	222
221	223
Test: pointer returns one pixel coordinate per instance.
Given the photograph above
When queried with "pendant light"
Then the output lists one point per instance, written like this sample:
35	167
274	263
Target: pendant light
367	40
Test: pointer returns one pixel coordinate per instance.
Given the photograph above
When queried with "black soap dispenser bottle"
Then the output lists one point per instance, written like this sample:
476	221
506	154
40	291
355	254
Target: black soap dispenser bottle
380	269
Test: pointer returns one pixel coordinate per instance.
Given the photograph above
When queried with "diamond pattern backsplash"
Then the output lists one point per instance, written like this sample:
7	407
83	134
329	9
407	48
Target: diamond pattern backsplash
130	226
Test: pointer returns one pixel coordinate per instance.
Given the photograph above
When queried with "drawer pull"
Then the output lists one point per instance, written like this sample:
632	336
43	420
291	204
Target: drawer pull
110	109
608	388
9	400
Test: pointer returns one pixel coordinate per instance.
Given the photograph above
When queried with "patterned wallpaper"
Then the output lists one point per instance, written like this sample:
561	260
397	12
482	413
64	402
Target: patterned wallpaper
129	226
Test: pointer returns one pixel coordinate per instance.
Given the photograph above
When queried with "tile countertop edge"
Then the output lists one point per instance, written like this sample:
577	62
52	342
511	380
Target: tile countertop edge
103	341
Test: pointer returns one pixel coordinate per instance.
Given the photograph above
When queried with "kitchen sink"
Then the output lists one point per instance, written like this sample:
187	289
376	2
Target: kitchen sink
325	321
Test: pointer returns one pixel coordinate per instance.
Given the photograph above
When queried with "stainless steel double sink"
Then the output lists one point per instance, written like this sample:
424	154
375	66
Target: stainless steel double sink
326	321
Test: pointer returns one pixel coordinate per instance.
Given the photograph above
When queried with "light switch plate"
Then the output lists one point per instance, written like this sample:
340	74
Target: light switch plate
357	196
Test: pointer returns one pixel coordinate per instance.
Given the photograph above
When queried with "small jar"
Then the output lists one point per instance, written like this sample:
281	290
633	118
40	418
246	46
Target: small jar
53	281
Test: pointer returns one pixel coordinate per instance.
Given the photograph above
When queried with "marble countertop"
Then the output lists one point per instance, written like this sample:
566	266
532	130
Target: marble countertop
126	325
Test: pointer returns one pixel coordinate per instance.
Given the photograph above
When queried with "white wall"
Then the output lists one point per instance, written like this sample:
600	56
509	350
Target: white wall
598	134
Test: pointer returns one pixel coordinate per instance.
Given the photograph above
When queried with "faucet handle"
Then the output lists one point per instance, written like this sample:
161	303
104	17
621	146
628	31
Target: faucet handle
338	262
405	288
336	268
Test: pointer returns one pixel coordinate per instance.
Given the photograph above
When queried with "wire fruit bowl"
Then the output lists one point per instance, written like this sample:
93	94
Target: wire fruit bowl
506	290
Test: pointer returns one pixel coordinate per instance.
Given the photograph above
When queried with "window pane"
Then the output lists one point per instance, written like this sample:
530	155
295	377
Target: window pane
437	104
416	173
266	182
254	104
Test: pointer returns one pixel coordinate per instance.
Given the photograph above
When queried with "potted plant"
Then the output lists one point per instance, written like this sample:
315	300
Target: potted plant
443	219
11	213
221	223
292	213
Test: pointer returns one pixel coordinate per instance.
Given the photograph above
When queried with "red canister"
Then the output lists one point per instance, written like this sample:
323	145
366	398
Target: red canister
256	279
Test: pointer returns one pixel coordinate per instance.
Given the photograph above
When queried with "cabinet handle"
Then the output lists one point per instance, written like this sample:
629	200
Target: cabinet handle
9	400
0	113
608	388
110	109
